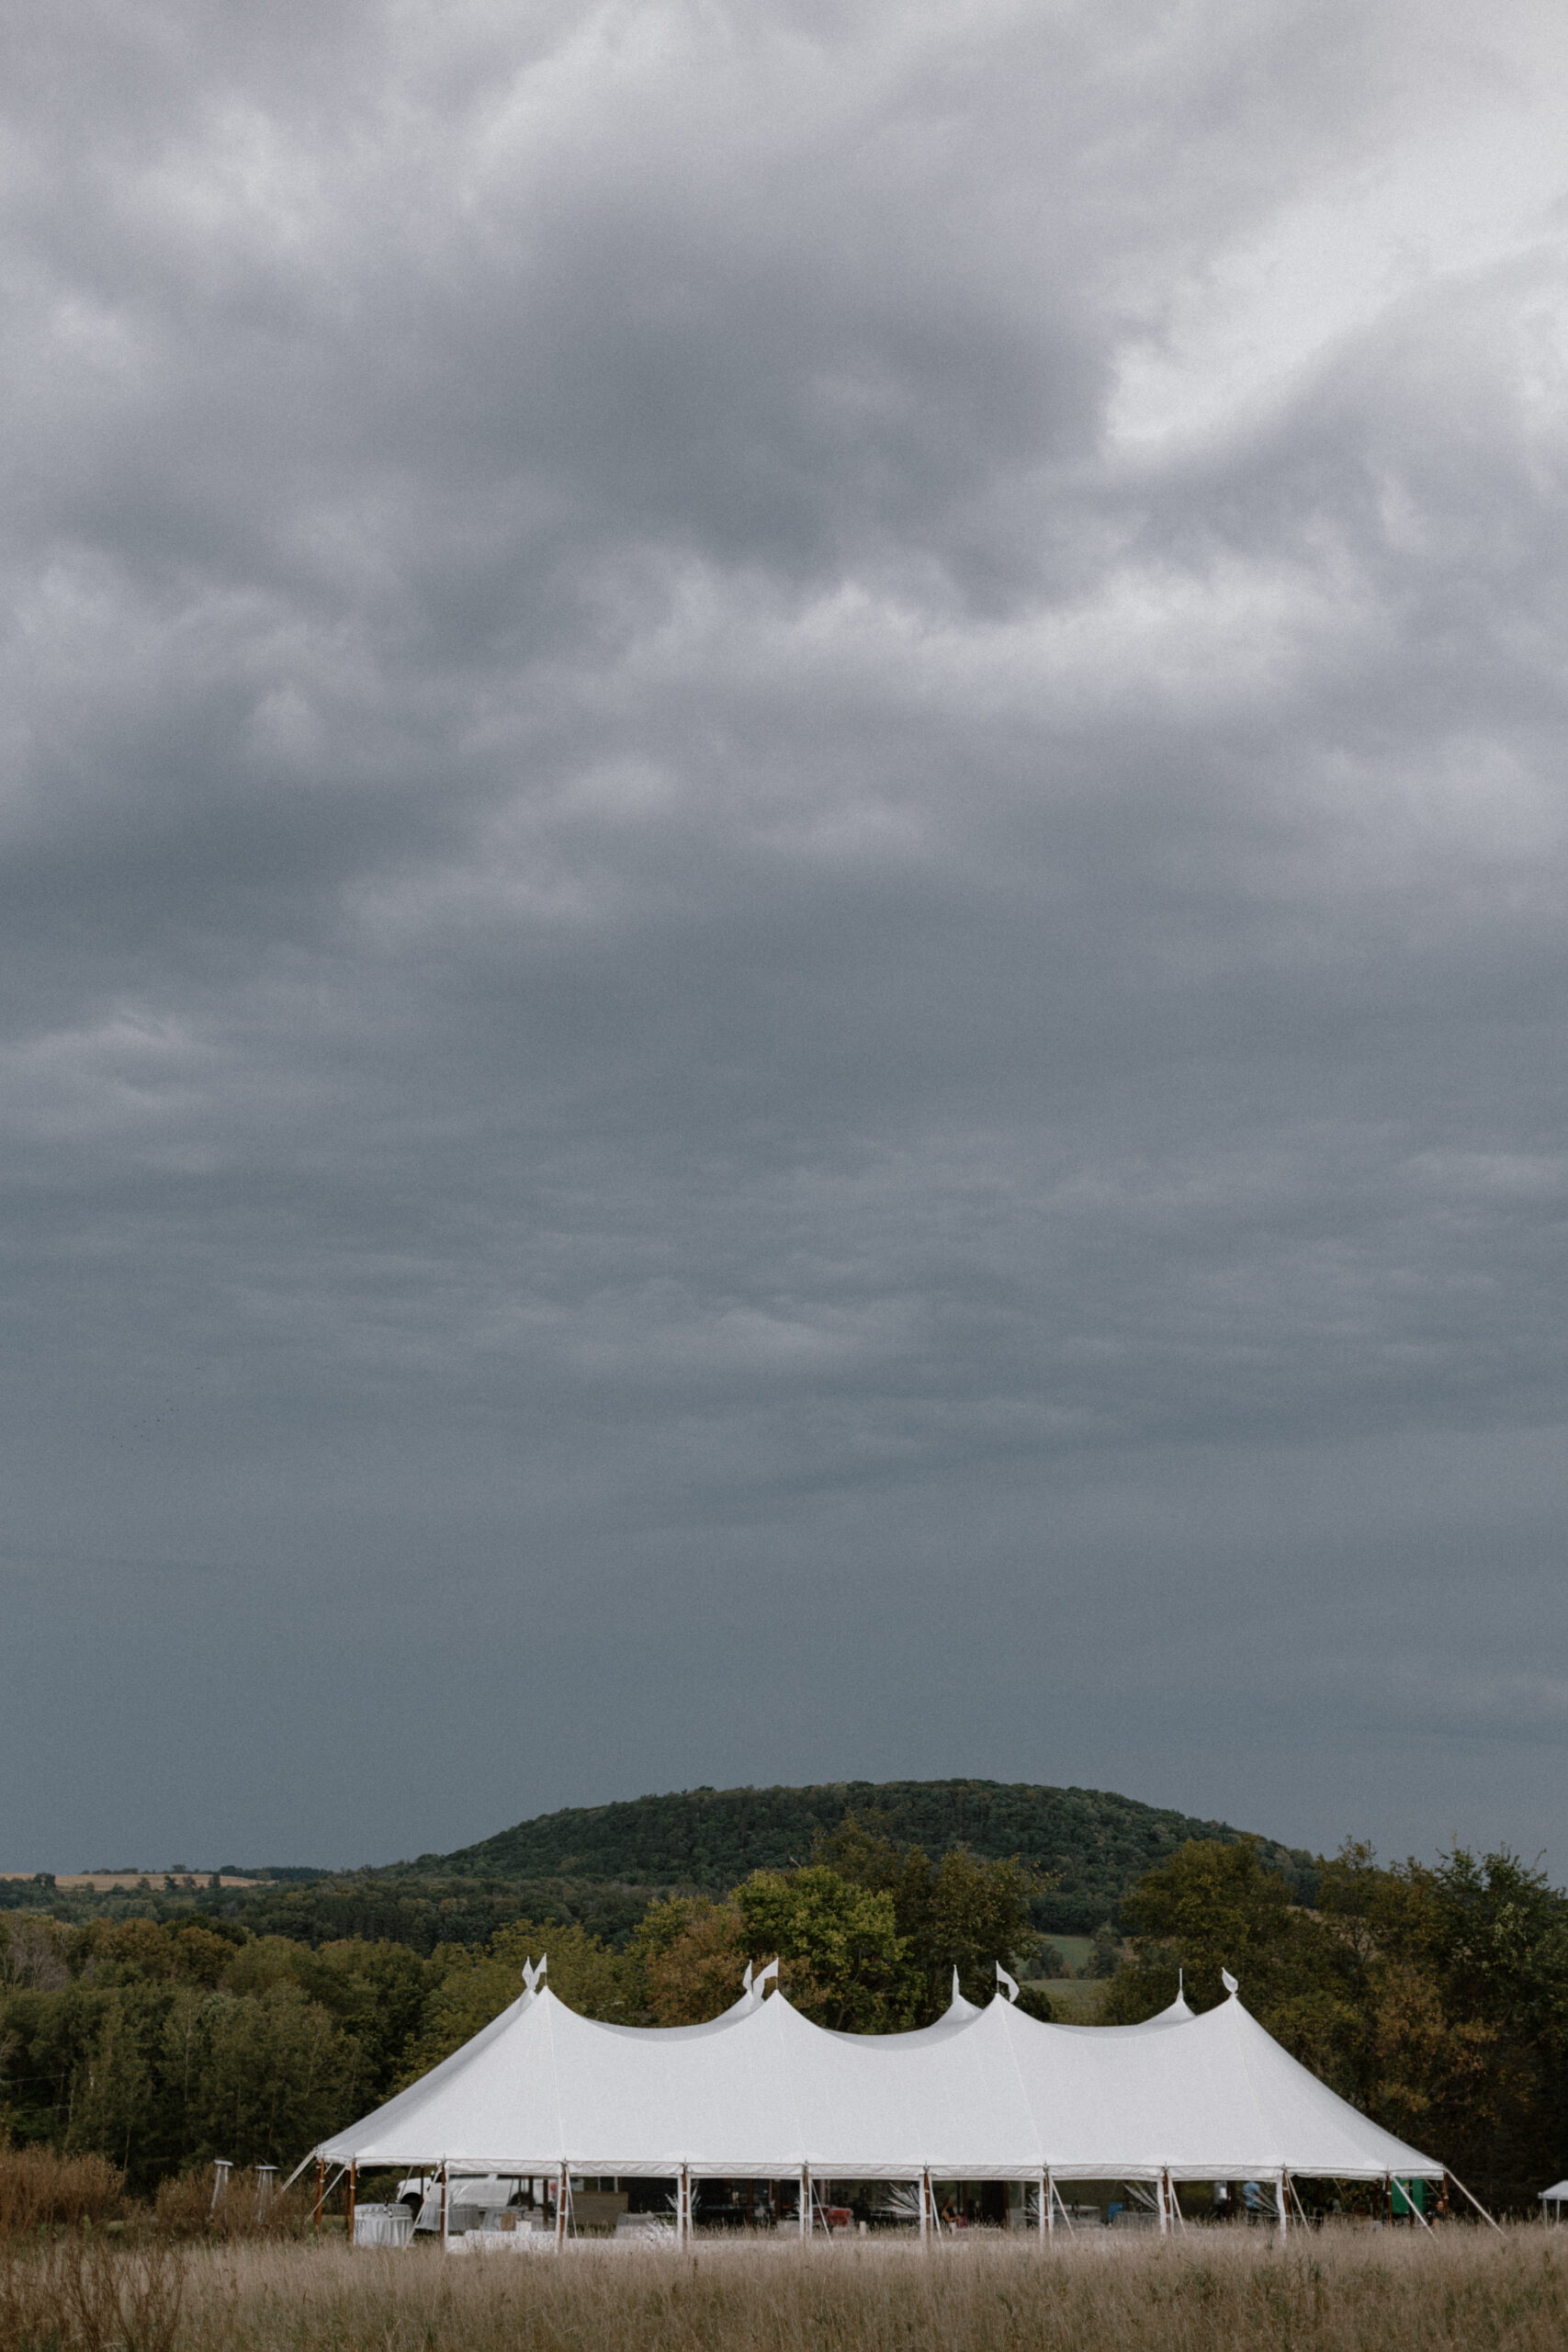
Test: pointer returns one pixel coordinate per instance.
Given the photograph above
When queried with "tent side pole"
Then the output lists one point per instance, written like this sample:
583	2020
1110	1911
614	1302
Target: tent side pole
1161	2188
1044	2218
320	2188
445	2212
353	2185
805	2202
926	2207
1476	2203
1284	2206
561	2196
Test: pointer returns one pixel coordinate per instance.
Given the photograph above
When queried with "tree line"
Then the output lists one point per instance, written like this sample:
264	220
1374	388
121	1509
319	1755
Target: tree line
1434	1997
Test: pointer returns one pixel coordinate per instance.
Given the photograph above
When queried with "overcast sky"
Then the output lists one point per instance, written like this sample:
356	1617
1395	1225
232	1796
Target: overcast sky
782	927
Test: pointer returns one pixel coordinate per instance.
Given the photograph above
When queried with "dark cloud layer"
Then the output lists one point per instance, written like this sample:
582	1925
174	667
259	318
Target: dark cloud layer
781	975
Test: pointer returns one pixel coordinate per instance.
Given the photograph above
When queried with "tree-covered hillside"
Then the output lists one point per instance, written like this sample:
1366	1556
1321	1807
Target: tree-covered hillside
1094	1844
602	1865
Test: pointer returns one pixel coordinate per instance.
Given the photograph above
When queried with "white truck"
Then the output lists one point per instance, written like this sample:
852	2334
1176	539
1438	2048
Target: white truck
472	2199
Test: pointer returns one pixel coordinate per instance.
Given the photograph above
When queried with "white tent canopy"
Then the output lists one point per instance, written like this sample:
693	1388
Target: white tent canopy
984	2094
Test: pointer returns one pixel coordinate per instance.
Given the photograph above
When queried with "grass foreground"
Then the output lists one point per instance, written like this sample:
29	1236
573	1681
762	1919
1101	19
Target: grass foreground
1339	2288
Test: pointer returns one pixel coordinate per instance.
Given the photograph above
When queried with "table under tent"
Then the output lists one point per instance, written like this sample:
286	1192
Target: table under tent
628	2127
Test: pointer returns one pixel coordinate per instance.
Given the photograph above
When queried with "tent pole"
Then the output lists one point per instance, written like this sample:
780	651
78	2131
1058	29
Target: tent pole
353	2185
1476	2203
926	2207
1284	2206
561	2198
1044	2219
320	2188
1162	2188
445	2215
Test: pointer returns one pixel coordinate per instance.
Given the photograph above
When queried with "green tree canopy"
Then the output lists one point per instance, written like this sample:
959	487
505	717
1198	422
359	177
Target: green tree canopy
1434	1997
962	1913
471	1987
842	1959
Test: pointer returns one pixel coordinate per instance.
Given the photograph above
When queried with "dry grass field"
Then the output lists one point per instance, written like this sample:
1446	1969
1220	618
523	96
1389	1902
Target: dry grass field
1228	2292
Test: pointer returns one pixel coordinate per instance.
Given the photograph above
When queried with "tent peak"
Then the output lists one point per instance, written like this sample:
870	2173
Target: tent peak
1179	2008
533	1970
1228	1981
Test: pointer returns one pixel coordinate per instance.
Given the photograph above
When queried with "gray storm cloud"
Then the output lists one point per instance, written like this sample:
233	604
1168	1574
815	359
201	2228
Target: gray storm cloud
781	913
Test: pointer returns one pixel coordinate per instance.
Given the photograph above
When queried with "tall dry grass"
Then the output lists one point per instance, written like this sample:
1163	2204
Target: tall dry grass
186	2207
1222	2291
41	2190
76	2292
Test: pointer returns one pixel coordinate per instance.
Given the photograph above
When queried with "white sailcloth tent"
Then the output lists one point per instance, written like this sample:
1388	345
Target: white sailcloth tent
984	2094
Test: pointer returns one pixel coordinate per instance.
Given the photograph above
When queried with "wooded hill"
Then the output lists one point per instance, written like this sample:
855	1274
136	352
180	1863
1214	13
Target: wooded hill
1094	1844
602	1865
